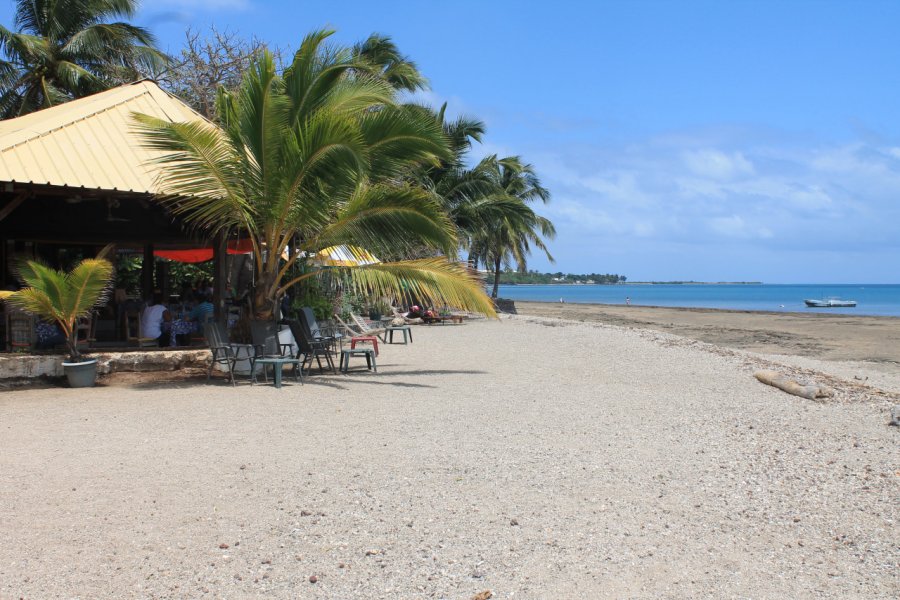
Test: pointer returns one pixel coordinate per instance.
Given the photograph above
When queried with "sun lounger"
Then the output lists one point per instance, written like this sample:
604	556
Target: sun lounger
367	327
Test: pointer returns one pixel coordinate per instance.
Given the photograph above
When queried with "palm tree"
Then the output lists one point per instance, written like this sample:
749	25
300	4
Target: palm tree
505	233
61	297
382	57
312	159
66	49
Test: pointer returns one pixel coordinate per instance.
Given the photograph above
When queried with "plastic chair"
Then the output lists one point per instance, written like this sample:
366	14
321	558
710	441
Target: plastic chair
310	348
264	335
223	353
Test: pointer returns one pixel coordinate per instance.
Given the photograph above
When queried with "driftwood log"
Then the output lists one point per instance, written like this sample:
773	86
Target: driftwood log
782	382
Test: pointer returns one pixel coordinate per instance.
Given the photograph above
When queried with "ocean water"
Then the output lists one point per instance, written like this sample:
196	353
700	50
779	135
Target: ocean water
878	299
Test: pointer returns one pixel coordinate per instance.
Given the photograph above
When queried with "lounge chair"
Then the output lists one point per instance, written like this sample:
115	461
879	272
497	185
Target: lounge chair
366	327
360	334
308	347
317	332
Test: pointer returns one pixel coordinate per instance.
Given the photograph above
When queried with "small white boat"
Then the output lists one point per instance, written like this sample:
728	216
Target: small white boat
830	303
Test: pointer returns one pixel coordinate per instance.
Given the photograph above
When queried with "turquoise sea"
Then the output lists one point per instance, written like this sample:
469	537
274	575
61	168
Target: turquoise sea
879	299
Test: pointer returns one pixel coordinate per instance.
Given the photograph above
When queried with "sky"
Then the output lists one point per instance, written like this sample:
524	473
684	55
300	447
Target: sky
691	140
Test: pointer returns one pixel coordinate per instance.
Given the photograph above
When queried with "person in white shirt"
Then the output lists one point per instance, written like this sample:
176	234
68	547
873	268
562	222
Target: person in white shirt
152	319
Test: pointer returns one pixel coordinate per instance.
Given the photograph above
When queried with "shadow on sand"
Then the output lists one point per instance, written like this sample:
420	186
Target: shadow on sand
168	380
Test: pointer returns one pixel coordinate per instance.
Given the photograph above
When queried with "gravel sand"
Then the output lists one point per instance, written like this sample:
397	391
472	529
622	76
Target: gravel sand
533	458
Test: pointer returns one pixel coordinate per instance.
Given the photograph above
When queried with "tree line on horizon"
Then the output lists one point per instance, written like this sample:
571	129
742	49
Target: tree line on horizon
511	277
310	149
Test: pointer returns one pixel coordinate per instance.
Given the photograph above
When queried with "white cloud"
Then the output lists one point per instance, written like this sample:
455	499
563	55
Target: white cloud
777	200
717	164
619	187
735	226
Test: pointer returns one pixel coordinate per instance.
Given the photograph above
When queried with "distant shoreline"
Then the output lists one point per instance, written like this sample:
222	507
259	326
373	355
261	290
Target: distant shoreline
703	309
655	283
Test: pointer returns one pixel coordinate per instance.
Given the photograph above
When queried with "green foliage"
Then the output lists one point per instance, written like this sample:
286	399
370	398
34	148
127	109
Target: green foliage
314	157
506	233
64	49
314	295
510	277
62	297
189	273
351	301
128	274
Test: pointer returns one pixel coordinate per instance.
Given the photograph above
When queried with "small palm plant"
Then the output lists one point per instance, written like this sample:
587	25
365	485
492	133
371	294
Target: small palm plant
61	297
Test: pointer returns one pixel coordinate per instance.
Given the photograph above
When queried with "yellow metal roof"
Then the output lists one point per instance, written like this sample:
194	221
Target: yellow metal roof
90	142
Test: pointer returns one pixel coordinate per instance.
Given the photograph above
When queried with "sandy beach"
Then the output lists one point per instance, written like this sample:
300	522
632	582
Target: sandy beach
836	337
531	457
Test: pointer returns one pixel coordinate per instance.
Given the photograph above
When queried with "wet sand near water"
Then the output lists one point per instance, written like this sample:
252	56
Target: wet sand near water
873	340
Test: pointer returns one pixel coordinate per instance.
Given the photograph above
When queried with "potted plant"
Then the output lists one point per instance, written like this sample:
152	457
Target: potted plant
63	298
378	310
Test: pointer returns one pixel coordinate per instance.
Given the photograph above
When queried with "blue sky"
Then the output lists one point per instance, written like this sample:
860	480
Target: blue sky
681	140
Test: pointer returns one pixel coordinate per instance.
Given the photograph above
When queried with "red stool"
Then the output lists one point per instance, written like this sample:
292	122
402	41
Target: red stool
364	338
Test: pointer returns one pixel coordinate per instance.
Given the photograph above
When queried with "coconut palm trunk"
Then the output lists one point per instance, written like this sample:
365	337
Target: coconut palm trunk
496	278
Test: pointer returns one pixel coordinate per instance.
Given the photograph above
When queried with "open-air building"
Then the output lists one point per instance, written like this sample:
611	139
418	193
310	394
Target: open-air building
76	177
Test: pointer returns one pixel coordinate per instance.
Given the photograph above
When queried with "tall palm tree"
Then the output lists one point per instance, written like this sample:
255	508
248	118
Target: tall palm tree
66	49
383	57
506	233
312	159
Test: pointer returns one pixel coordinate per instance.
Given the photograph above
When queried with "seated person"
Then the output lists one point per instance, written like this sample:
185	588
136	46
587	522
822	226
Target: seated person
48	335
202	311
152	319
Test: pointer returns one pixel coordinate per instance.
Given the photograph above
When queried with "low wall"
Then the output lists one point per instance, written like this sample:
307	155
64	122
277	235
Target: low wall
21	367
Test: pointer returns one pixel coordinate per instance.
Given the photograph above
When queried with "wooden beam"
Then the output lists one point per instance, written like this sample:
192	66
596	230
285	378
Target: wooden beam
13	205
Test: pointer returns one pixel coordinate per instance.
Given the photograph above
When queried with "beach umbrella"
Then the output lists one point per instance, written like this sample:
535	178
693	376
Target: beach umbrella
344	256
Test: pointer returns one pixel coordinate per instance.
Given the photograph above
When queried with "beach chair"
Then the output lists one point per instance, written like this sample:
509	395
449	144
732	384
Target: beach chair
308	347
357	335
223	353
368	327
318	332
266	345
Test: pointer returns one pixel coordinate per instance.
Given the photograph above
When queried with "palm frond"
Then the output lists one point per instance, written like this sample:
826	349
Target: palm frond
62	297
389	216
398	137
432	280
87	286
382	58
202	175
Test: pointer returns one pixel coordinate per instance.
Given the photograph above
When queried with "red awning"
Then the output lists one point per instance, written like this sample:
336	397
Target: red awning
198	255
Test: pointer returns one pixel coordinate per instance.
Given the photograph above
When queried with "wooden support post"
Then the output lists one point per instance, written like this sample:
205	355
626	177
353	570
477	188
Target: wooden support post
220	265
147	272
162	279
